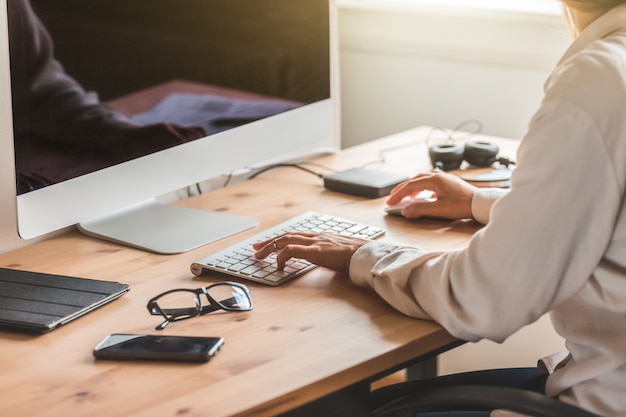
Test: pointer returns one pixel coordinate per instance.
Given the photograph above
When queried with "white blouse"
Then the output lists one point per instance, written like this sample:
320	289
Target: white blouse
555	243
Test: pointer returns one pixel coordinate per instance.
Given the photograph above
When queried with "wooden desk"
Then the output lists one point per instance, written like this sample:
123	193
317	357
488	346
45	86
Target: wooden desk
309	338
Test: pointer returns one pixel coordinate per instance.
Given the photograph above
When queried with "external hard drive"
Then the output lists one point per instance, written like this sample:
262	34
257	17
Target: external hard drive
363	182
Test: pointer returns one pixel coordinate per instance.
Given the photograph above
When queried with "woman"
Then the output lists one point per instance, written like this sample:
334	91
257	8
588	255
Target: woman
556	242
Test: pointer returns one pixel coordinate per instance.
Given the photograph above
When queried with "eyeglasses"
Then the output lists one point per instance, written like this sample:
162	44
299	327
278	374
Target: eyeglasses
184	304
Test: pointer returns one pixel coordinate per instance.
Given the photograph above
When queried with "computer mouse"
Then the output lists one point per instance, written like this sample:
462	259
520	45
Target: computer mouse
424	196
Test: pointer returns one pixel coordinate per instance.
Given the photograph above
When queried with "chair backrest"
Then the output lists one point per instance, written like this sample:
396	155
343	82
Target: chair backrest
479	397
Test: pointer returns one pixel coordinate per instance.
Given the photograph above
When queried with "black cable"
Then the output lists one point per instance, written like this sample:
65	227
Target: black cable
504	161
230	175
228	178
284	165
381	156
451	136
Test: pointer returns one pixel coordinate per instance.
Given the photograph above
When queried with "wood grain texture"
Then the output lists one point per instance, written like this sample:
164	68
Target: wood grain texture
303	340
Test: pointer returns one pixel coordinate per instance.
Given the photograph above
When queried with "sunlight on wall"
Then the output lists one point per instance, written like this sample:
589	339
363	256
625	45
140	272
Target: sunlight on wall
524	6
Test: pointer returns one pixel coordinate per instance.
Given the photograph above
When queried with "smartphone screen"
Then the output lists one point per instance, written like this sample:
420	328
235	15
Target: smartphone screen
161	348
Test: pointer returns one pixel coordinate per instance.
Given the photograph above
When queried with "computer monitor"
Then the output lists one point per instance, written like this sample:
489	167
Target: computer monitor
269	62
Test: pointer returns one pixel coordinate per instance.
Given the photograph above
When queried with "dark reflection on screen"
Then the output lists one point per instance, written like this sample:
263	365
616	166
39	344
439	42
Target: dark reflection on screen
95	83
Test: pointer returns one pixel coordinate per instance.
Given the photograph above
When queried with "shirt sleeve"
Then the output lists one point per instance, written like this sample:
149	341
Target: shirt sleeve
483	200
537	249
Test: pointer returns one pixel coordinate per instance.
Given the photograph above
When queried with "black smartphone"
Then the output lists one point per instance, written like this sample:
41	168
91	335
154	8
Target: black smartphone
158	348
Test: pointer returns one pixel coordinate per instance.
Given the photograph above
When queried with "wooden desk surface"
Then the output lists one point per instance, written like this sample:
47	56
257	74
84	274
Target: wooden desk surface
305	339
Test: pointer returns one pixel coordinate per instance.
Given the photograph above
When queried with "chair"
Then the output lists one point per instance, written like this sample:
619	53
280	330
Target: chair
481	398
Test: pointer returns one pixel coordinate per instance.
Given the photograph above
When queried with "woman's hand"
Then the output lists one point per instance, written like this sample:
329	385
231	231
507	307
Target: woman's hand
325	249
454	196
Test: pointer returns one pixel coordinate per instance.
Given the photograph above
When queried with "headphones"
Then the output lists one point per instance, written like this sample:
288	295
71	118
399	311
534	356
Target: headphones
449	156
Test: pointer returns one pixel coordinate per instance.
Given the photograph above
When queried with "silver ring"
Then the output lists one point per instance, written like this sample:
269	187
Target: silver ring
275	245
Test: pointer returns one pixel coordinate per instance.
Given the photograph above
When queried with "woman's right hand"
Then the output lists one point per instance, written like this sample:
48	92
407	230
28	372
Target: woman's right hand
453	196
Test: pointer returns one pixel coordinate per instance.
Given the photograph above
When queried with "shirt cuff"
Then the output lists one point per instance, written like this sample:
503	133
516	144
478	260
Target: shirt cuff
363	262
483	200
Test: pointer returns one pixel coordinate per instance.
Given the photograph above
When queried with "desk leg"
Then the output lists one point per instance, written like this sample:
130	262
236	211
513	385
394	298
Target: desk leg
351	401
424	369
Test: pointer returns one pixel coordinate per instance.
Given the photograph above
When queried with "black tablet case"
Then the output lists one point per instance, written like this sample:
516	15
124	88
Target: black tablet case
39	302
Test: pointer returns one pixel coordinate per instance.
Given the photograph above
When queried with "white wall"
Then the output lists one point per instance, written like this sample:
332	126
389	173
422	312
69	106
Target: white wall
406	63
426	64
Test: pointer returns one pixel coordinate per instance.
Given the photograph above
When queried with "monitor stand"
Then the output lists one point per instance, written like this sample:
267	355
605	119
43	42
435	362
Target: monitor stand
165	229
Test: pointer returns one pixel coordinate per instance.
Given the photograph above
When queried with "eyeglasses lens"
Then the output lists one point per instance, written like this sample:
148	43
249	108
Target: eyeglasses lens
230	297
180	305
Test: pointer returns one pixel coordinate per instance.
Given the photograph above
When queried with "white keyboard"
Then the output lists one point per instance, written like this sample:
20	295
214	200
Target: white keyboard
239	261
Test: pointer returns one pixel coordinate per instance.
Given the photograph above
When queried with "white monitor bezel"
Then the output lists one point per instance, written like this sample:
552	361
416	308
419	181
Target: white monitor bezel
42	212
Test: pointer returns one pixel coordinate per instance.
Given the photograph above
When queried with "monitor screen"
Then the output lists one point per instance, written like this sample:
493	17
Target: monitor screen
116	103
